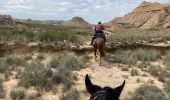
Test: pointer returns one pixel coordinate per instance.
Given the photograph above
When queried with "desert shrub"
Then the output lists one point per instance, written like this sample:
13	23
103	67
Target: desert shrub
131	35
154	70
59	71
147	55
43	32
132	56
33	97
3	67
134	72
40	57
167	60
124	57
17	94
167	85
69	61
28	57
35	74
125	68
15	61
65	77
143	65
52	36
149	92
71	95
2	90
163	74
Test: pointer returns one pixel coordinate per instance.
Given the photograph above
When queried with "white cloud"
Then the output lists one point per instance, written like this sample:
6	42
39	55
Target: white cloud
92	10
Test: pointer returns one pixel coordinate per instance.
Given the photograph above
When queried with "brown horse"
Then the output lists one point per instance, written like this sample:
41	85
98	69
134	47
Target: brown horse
98	47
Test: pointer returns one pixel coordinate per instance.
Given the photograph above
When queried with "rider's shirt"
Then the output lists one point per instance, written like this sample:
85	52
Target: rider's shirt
99	27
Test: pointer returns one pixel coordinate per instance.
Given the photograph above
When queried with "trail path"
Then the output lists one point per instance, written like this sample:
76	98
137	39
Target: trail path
110	74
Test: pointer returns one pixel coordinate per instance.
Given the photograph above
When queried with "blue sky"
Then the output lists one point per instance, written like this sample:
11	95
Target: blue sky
91	10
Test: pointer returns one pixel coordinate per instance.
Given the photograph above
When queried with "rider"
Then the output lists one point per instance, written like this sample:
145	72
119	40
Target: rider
99	32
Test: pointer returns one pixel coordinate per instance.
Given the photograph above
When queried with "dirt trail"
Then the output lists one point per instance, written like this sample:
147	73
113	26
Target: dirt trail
110	74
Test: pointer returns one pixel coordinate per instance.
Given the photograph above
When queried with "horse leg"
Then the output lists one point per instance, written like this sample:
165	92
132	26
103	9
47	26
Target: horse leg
95	54
100	60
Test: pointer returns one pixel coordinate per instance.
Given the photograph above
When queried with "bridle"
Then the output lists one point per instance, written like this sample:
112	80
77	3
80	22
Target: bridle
99	93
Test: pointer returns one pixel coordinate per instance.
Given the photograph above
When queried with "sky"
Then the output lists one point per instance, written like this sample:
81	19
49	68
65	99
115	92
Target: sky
91	10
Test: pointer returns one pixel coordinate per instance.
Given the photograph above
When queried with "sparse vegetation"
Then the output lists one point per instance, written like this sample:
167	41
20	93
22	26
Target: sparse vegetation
59	71
68	61
167	60
43	33
71	95
167	85
132	56
33	97
154	70
2	90
17	94
134	72
135	35
148	92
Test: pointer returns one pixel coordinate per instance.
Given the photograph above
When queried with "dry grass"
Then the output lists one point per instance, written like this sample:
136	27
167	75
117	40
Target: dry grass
133	35
148	92
132	56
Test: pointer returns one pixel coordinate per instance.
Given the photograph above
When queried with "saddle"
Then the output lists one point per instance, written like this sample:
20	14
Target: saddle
96	35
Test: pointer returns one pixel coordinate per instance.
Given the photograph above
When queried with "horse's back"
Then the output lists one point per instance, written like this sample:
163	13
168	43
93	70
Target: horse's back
98	44
98	41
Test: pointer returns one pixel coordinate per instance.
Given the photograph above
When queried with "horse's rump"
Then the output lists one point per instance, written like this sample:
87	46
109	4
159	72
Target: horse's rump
98	44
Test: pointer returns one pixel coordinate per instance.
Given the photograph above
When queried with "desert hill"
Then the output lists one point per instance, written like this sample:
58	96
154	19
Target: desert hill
146	16
76	21
10	21
6	20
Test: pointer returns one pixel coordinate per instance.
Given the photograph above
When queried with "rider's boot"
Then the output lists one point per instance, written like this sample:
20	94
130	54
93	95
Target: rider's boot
91	43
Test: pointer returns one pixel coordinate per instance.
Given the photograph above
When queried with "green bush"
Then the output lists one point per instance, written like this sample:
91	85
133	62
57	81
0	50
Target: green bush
17	94
148	92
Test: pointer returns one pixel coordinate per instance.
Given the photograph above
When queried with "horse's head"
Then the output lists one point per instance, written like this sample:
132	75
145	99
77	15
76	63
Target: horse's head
99	93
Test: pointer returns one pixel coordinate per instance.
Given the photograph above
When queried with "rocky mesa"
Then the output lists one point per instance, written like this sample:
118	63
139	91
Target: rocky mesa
146	16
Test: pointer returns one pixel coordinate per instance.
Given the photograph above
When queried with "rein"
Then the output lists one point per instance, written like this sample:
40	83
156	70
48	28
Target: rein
99	93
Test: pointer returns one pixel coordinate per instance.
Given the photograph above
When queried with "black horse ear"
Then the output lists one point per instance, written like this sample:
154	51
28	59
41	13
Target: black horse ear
90	87
119	89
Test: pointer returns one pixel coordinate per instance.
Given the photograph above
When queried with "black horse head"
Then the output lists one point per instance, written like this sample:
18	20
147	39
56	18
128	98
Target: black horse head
106	93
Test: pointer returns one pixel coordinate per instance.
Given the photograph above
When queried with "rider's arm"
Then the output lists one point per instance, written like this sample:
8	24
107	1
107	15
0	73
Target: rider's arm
103	27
